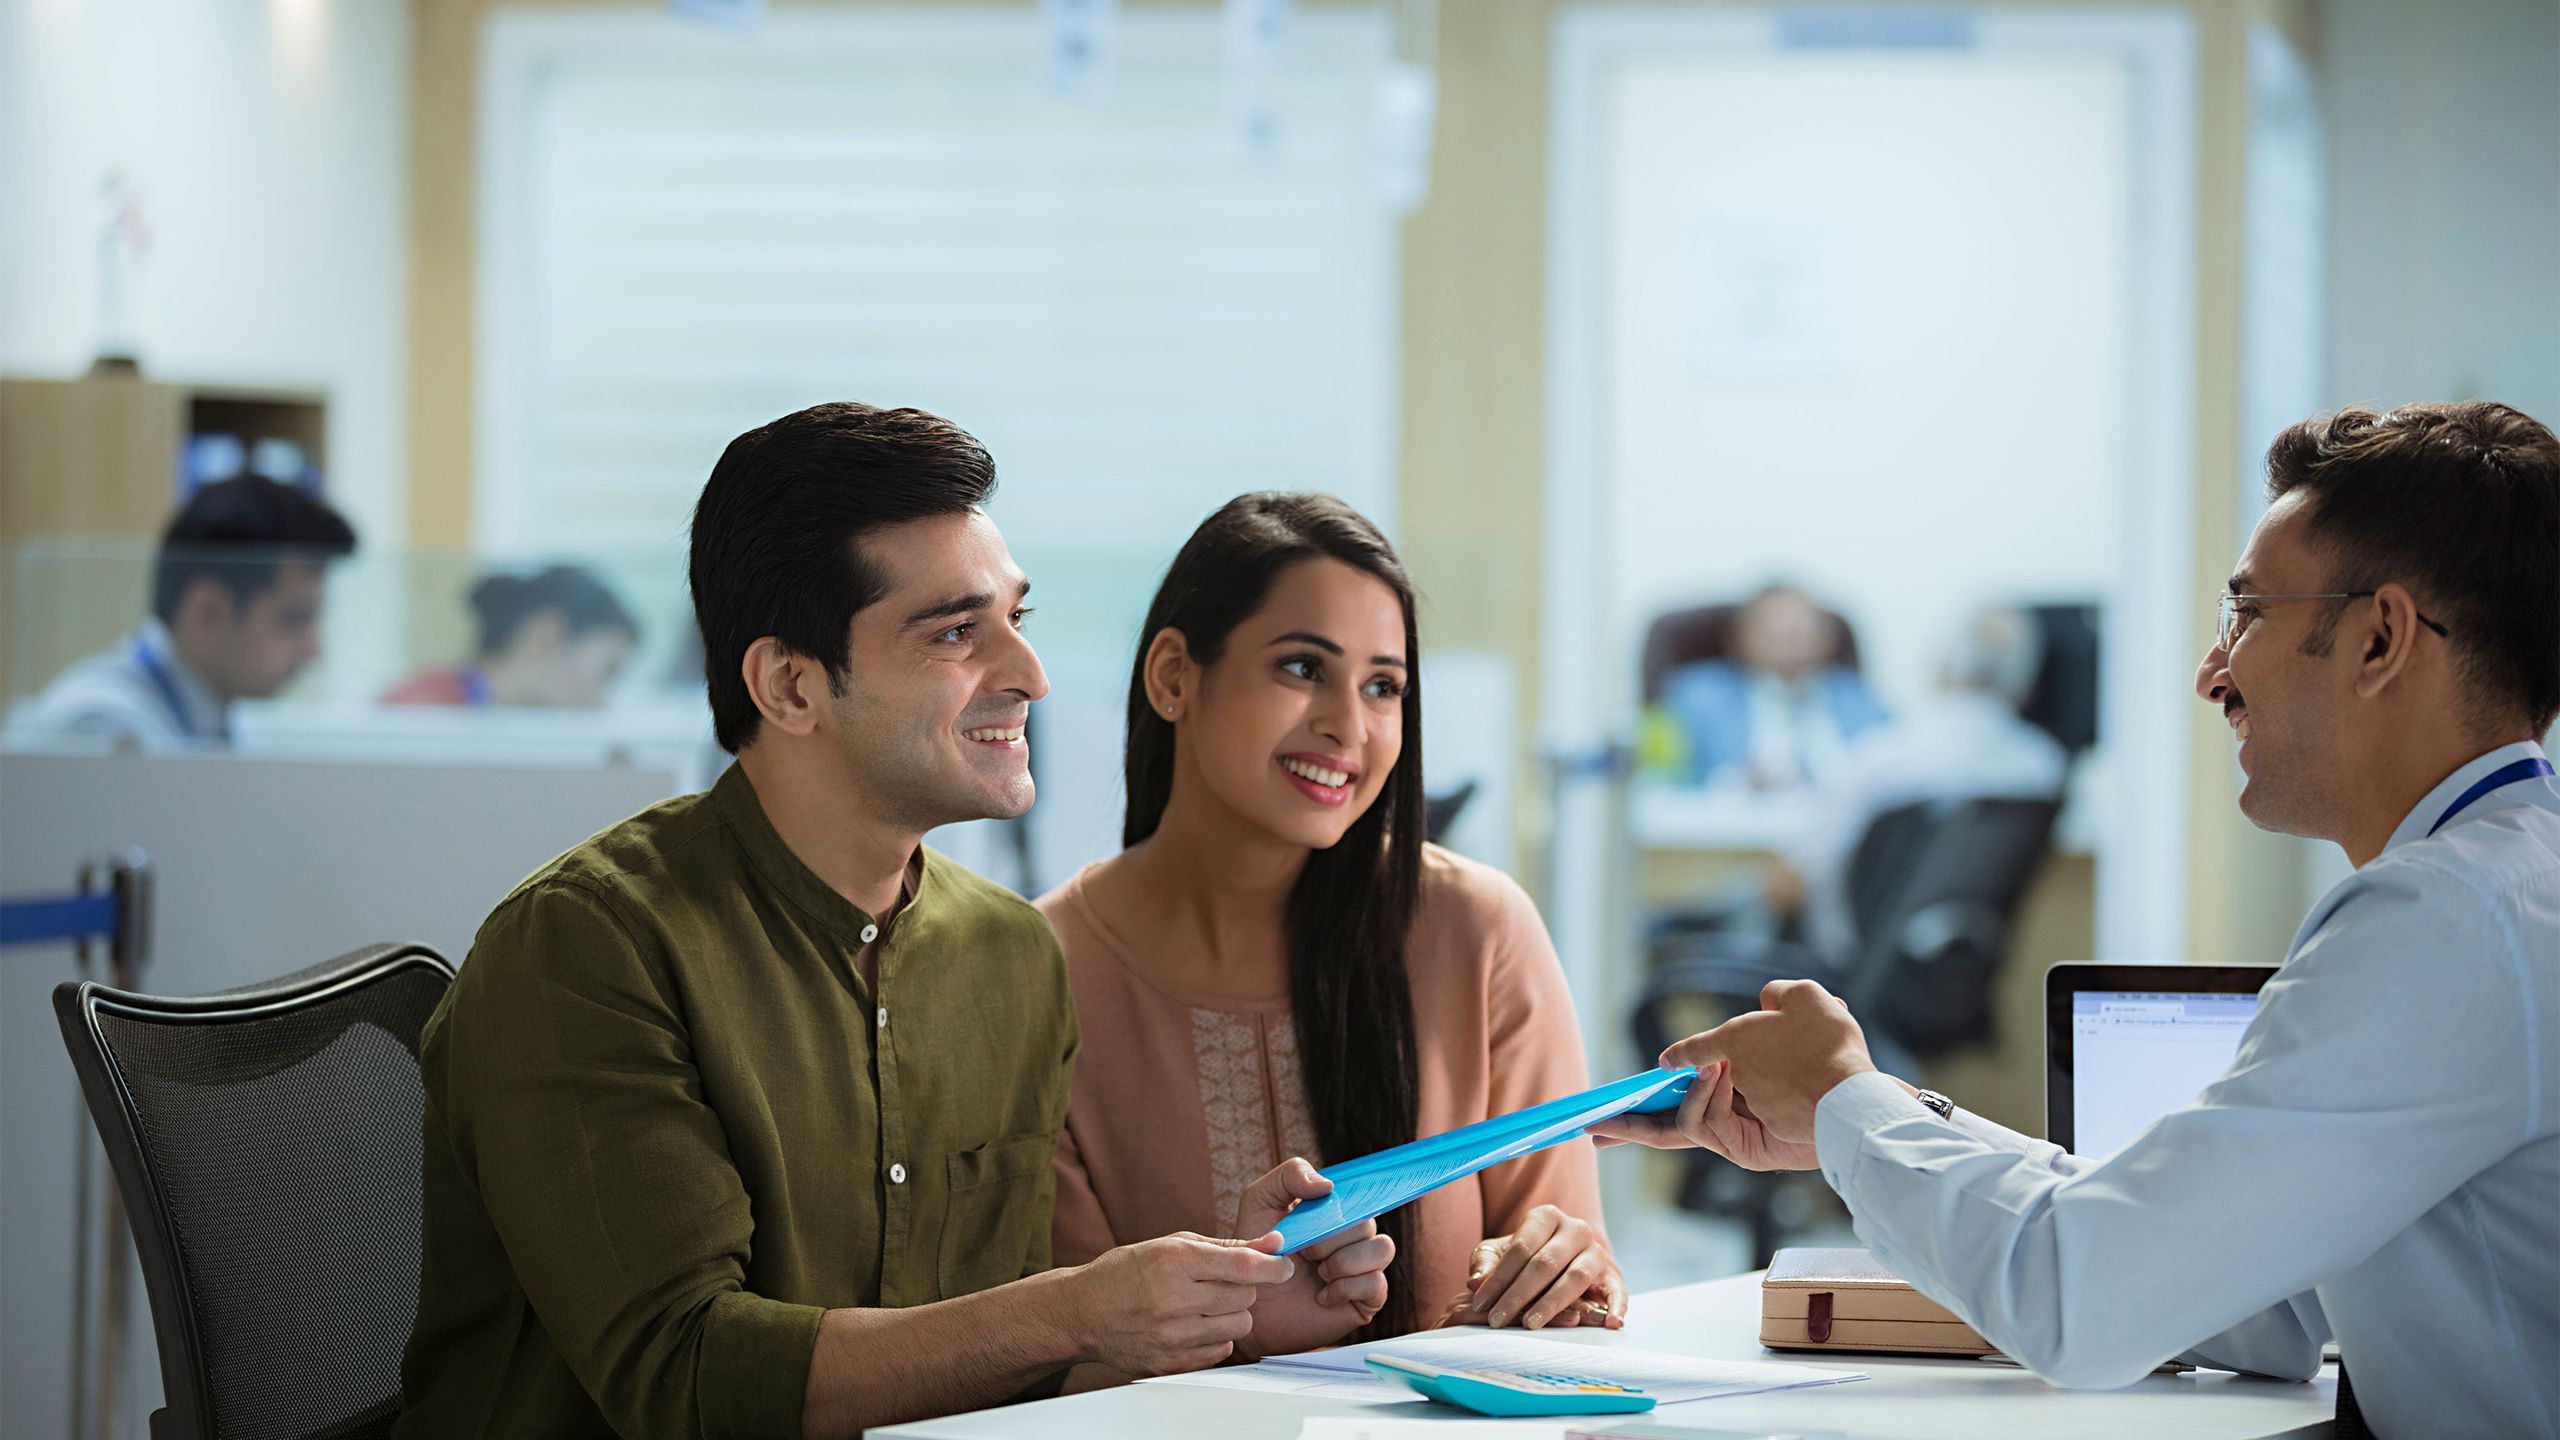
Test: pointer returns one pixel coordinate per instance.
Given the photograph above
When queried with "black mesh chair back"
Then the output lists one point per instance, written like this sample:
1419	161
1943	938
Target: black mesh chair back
1880	868
266	1142
1929	953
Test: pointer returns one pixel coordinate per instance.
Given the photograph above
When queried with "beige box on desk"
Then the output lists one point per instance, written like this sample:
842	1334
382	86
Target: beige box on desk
1844	1300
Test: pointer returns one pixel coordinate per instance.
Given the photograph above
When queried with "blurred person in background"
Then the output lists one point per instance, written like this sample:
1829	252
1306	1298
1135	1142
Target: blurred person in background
1278	965
554	640
1965	742
1780	711
236	595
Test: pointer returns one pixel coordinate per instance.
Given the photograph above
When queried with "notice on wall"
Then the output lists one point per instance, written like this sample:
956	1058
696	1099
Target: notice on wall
1769	299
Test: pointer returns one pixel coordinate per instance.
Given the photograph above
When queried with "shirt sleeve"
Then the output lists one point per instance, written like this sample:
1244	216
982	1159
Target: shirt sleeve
574	1108
2282	1340
2379	1076
1079	1230
1536	1044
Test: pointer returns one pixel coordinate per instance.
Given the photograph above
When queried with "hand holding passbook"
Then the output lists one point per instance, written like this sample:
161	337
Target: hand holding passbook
1766	1072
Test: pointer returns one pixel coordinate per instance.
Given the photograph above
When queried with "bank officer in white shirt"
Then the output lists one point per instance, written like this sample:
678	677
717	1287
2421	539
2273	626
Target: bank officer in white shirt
236	595
2381	1164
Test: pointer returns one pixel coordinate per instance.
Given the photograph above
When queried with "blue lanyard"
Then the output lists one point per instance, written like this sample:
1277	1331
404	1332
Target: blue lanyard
2502	776
475	686
167	687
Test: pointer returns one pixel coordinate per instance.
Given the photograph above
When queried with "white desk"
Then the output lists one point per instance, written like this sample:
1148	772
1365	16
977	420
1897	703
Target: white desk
1904	1399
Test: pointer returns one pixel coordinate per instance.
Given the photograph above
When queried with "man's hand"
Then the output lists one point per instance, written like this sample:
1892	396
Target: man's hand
1760	1077
1341	1284
1711	1117
1164	1306
1555	1271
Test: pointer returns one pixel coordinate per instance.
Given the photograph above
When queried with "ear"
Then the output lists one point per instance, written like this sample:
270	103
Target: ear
1173	680
205	603
2385	643
789	689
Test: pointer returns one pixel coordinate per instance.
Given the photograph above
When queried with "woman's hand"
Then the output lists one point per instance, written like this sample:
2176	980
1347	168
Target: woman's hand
1341	1282
1554	1271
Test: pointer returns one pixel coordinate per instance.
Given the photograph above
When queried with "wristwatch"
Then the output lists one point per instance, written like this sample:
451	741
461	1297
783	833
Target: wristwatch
1939	1105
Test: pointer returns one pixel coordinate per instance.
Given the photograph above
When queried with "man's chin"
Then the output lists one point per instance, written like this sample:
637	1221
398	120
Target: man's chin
2269	808
1008	798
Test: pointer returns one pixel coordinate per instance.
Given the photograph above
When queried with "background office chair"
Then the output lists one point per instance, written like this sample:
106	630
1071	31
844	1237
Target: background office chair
1933	889
1705	632
267	1144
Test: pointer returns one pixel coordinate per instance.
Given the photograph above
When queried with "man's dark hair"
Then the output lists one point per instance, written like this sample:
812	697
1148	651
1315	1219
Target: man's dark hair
2461	503
237	533
775	536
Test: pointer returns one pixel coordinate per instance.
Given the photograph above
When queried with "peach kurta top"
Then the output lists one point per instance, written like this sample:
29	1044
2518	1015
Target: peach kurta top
1180	1100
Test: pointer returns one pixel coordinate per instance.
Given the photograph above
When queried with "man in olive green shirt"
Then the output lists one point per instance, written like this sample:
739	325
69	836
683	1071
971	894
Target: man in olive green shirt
739	1117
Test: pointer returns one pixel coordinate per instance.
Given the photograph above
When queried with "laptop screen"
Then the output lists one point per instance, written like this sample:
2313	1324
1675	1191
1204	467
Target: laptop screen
2127	1044
2142	1055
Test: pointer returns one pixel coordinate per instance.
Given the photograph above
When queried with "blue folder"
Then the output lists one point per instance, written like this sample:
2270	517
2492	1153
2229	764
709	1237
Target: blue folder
1372	1185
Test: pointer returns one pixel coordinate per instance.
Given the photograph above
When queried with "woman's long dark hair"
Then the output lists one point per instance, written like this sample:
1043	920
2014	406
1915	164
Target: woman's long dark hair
1350	913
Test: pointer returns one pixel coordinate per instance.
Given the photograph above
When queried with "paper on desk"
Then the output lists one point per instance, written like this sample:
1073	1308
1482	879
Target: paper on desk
1360	1387
1394	1427
1372	1185
1669	1379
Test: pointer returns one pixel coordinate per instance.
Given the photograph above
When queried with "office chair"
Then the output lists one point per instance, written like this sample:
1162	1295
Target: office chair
1932	890
267	1143
1705	632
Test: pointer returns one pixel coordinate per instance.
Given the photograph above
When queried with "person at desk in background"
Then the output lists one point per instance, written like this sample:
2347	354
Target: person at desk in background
1967	742
236	594
739	1117
2381	1162
1782	710
553	640
1279	965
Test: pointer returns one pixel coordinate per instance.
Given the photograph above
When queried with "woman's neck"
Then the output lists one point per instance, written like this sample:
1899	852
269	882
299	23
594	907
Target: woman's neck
1207	896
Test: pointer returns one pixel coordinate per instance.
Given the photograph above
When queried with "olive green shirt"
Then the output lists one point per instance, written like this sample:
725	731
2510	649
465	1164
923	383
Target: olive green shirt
668	1125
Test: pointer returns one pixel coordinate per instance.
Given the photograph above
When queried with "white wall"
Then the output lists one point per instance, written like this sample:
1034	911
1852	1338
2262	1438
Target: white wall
1925	408
269	140
2444	123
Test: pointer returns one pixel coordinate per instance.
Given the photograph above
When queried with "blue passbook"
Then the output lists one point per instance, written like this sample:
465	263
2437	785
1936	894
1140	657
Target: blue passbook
1372	1185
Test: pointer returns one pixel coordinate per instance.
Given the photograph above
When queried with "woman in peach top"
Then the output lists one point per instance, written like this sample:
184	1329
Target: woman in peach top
1278	966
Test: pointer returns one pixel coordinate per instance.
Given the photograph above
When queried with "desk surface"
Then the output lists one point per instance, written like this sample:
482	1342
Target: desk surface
1905	1399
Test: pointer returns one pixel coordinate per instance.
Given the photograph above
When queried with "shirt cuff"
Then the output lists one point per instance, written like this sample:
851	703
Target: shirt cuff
754	1375
1854	1109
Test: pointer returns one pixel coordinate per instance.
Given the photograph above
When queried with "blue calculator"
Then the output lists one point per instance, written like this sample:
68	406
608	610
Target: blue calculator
1513	1392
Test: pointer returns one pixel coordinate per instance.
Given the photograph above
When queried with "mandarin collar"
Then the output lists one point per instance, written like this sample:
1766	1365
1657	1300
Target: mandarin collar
772	858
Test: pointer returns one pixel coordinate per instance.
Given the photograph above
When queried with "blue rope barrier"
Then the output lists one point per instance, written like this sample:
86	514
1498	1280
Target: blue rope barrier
69	917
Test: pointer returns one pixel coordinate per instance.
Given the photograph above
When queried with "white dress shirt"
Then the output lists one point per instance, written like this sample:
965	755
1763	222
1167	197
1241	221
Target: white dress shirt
2381	1163
140	690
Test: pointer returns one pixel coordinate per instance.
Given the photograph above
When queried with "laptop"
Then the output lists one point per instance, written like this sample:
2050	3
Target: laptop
2127	1044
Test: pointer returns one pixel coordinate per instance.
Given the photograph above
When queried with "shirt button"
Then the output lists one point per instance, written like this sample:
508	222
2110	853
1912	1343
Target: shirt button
870	933
897	1174
884	1017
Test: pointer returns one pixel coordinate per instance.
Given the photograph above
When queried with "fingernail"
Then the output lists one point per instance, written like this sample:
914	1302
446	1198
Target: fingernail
1535	1323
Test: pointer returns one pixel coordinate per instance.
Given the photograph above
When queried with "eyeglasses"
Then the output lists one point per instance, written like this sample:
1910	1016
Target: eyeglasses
2232	622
